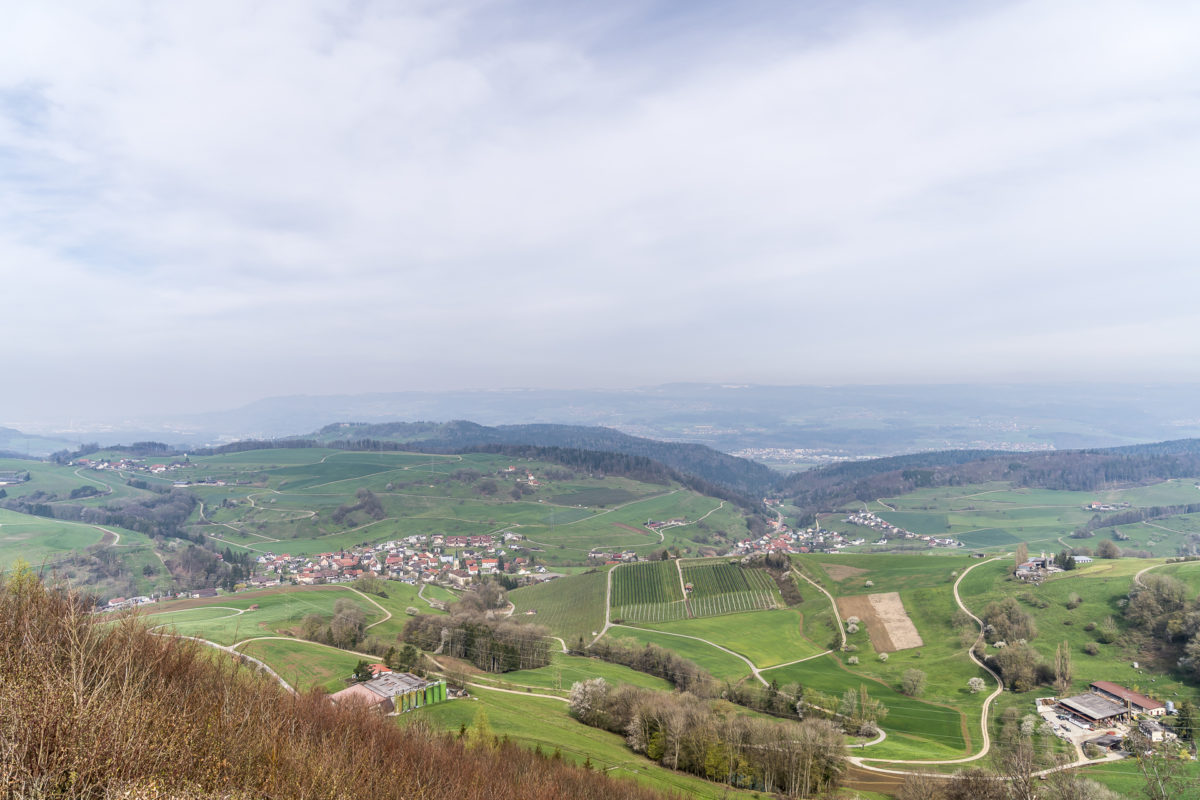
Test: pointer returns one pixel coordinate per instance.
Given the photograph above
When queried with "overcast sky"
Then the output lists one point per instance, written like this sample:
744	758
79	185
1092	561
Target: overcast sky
204	203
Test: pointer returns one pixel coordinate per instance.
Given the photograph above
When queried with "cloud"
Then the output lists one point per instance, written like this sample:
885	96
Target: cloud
432	195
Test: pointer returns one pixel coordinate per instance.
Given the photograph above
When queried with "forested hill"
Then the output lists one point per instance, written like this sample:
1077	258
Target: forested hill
737	474
1076	470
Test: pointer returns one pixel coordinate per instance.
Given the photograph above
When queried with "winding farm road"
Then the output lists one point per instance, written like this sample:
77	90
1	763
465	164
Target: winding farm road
987	741
754	670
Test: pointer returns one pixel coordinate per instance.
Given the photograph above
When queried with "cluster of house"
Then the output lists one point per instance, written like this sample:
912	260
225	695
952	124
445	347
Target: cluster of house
418	558
140	465
819	540
1096	505
1038	567
889	532
613	557
1110	705
130	465
391	692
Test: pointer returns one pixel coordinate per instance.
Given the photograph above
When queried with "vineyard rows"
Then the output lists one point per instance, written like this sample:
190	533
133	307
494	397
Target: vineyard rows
732	603
645	582
724	578
651	612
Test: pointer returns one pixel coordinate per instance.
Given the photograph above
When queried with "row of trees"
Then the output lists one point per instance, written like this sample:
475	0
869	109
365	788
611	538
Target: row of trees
687	733
346	629
493	645
658	661
162	515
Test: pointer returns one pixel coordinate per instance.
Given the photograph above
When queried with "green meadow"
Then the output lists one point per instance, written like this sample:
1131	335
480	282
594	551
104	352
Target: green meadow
565	670
536	722
304	665
278	613
40	540
276	500
718	663
767	638
997	515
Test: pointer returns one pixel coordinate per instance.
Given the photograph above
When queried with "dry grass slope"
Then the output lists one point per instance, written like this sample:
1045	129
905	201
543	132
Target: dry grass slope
92	711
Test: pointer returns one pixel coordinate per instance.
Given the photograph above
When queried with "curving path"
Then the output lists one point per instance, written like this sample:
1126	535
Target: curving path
1138	577
832	603
987	742
754	670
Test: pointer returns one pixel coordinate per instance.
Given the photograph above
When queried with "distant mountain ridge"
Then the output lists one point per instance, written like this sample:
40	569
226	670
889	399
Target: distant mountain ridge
731	472
828	488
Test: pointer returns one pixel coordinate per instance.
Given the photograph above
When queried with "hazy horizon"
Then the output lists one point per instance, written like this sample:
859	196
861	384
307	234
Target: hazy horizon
202	206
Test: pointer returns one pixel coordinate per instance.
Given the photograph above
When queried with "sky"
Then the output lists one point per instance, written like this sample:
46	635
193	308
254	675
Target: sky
202	204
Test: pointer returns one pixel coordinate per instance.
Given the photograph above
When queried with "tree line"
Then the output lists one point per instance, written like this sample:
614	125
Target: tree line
698	736
1072	470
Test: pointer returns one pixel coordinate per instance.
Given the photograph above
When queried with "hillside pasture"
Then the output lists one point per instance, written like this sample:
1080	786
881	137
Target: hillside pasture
716	662
279	612
767	638
987	537
536	722
278	505
565	670
304	665
916	728
40	540
998	515
596	496
892	572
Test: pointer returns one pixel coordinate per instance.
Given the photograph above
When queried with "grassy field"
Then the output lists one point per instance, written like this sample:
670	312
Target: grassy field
997	515
767	638
720	664
276	500
565	670
1125	778
279	611
40	540
1101	587
571	607
916	728
56	482
886	573
538	722
305	665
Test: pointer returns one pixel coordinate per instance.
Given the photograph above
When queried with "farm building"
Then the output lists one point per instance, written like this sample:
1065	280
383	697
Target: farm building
392	692
1095	708
1136	701
1107	742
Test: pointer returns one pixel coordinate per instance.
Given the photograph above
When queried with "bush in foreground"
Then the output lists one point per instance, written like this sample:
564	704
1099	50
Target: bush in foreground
99	709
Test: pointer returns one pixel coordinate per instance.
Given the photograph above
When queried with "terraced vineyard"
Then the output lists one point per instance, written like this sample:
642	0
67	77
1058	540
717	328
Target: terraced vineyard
719	587
647	591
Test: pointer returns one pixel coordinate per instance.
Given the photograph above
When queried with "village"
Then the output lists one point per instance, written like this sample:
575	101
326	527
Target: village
455	561
781	539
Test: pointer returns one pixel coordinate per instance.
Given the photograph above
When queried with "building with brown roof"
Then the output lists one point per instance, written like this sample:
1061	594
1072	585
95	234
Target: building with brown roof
1135	701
